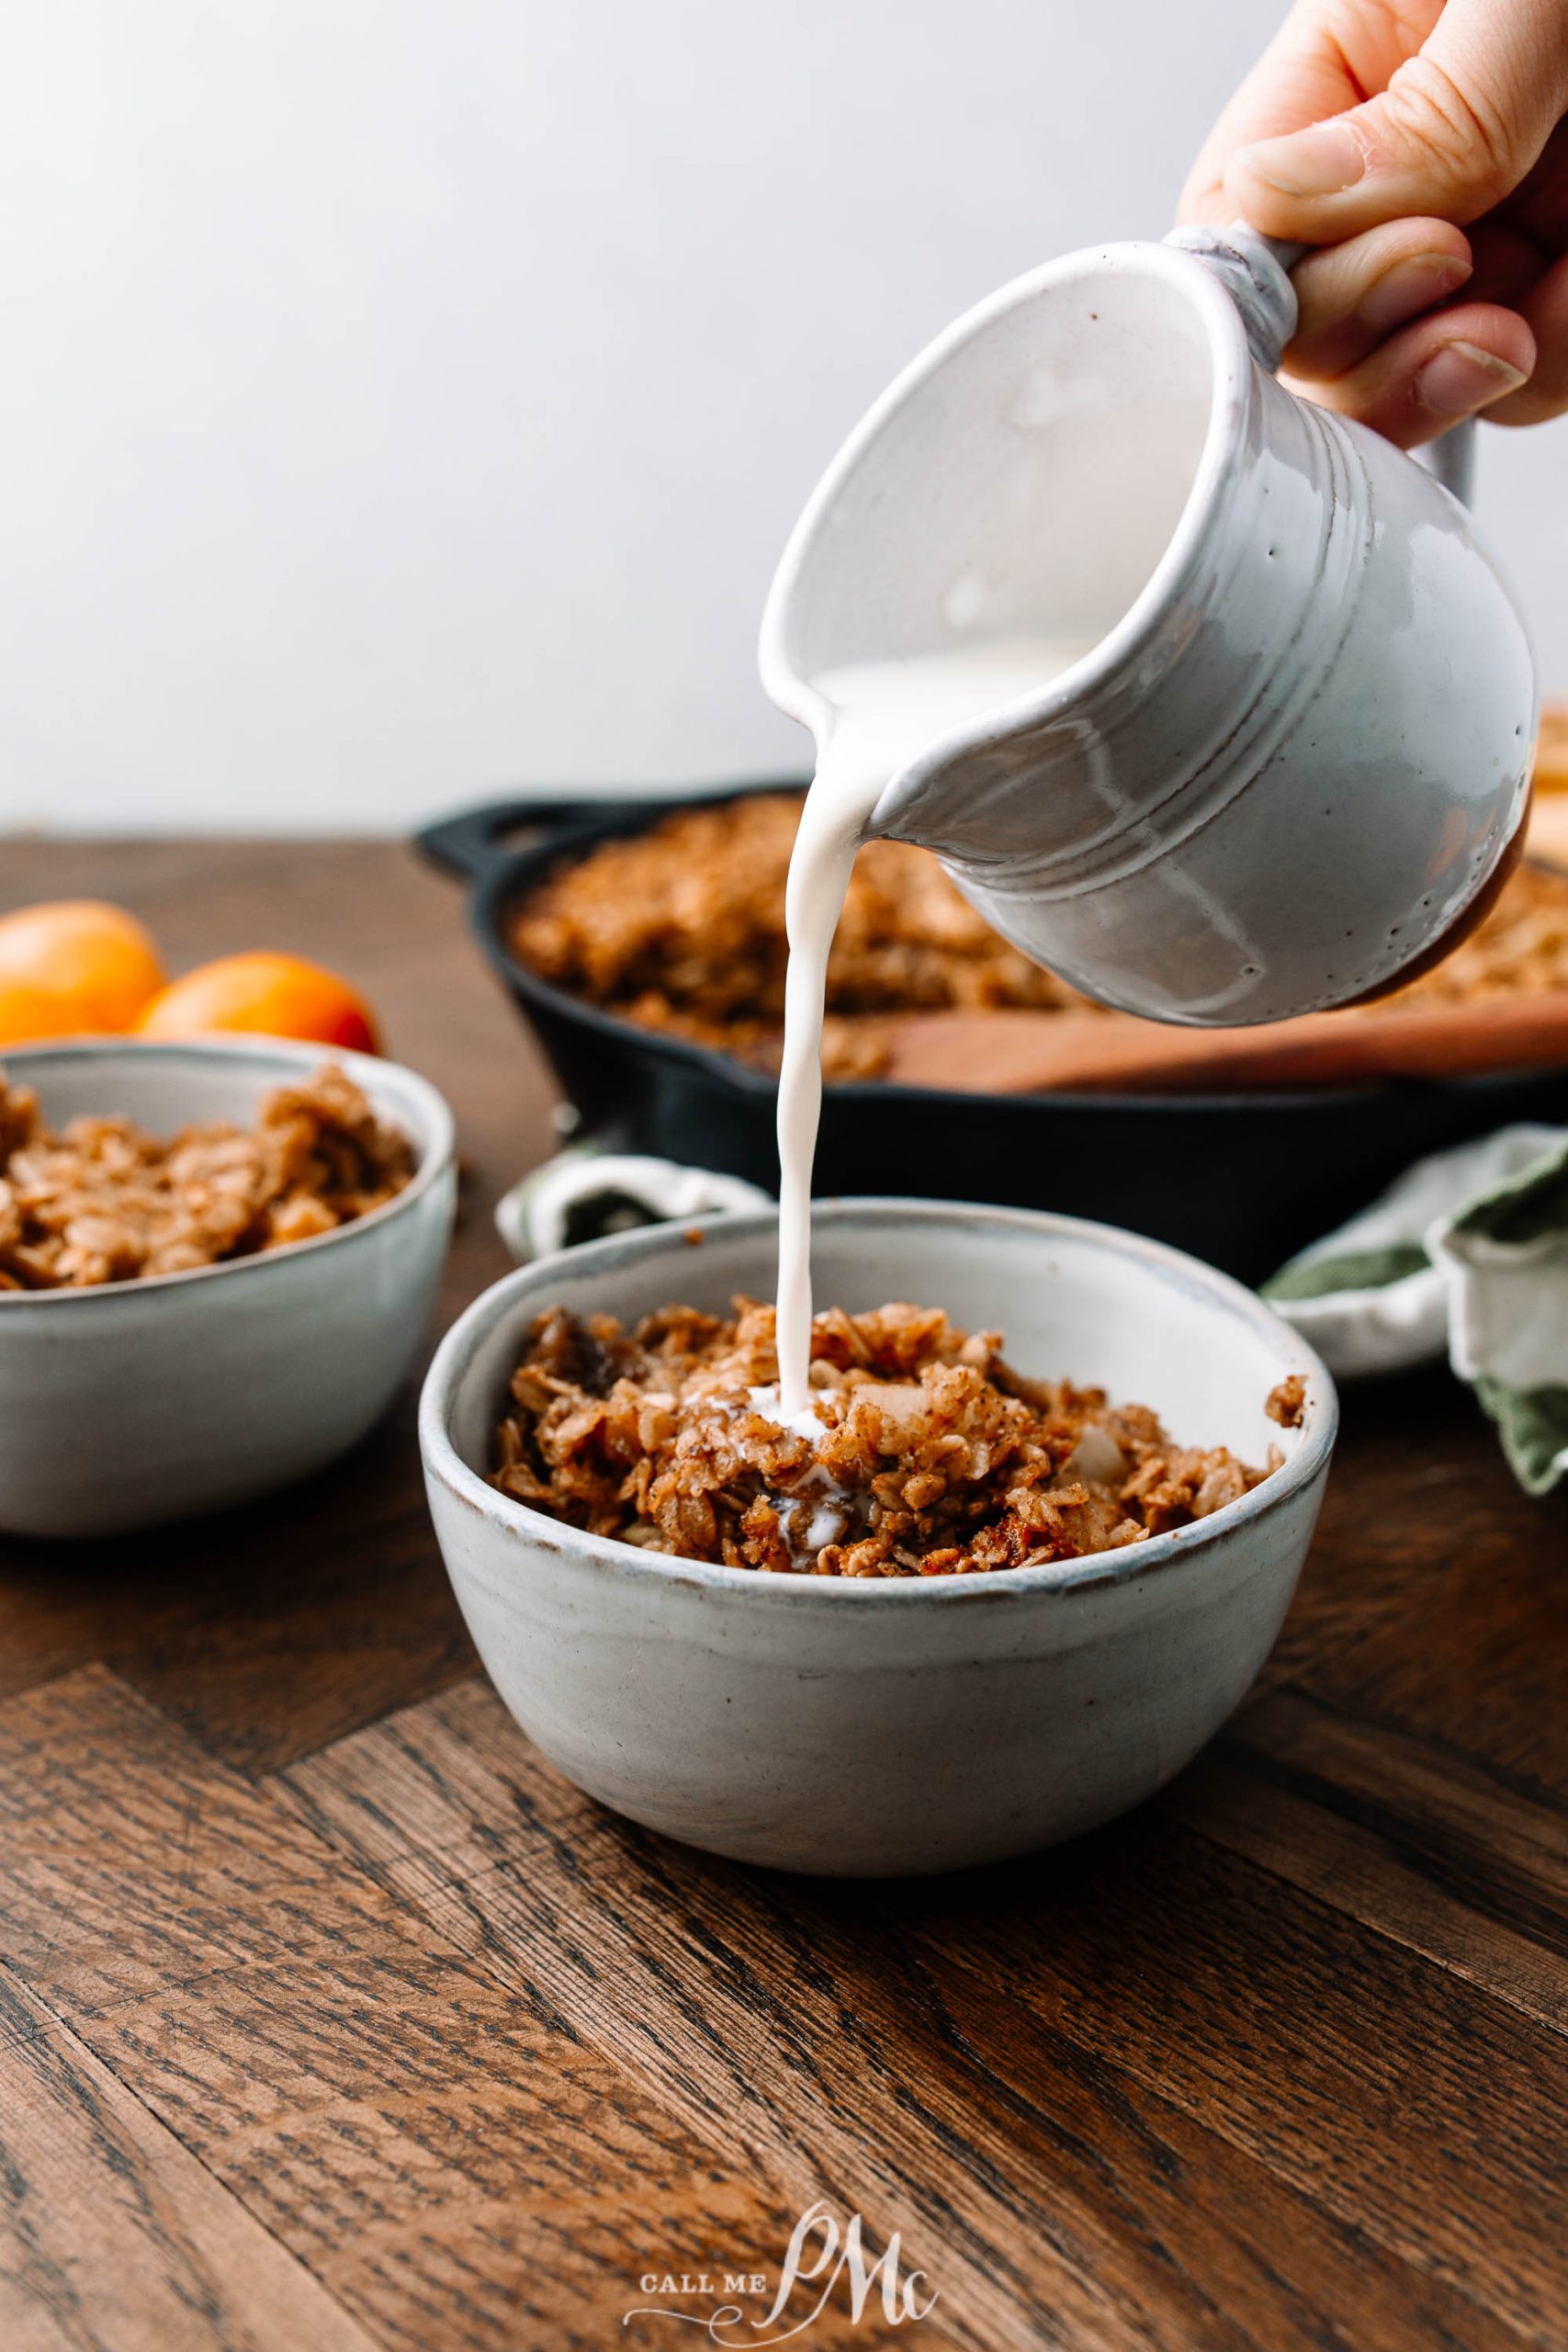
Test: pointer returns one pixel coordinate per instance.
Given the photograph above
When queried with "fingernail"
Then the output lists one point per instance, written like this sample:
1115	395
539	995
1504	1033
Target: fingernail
1319	162
1462	378
1410	287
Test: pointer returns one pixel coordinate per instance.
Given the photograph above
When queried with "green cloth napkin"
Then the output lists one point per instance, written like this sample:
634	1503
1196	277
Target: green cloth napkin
1469	1251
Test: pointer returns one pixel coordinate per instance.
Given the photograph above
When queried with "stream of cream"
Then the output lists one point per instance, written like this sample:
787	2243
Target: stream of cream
884	715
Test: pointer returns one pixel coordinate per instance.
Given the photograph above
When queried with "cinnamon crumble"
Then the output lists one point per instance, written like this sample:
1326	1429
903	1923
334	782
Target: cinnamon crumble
924	1453
681	929
104	1202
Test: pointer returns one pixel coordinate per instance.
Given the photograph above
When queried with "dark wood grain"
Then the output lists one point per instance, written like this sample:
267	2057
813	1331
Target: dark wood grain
420	2133
913	2079
1463	2179
113	2233
331	2018
1401	1835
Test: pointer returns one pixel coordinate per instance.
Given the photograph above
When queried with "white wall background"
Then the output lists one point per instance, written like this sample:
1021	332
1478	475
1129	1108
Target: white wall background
404	399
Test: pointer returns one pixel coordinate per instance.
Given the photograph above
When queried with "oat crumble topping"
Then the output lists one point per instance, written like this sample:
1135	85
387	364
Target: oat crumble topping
104	1201
924	1453
681	929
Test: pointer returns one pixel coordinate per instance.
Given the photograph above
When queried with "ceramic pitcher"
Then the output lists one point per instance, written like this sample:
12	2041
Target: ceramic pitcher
1295	764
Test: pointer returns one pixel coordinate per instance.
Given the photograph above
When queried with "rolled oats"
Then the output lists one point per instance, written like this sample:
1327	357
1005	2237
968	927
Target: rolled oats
681	929
925	1453
104	1202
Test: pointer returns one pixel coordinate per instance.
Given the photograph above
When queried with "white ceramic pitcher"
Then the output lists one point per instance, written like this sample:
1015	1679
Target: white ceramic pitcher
1296	760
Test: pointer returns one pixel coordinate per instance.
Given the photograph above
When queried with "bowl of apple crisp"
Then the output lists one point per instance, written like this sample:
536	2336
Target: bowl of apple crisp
1019	1558
217	1260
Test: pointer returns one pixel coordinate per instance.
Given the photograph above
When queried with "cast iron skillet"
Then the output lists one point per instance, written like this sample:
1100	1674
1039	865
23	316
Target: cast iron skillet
1241	1179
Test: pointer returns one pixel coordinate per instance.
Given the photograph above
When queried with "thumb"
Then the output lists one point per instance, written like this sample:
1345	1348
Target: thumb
1458	127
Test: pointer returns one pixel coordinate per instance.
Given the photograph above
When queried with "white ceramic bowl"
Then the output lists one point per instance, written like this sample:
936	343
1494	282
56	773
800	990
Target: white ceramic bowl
145	1401
876	1727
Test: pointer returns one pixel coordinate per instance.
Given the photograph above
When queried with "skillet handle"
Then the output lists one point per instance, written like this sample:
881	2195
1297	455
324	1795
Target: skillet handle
475	842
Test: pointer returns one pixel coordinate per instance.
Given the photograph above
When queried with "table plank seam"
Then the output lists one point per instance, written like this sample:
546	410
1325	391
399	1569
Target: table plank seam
653	1857
97	2031
1092	2067
57	2029
1524	1785
1386	1829
804	2175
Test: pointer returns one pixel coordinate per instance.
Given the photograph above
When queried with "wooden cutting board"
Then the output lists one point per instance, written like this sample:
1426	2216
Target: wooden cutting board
1548	834
1029	1052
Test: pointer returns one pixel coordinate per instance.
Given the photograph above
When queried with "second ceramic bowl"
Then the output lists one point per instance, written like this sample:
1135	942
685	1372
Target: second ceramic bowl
877	1727
146	1401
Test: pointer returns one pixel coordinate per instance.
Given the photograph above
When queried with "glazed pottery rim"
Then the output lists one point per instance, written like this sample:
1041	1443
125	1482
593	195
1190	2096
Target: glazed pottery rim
515	1521
1230	364
300	1056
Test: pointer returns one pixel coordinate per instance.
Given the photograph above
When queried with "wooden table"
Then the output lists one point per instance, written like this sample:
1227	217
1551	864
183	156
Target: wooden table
331	2018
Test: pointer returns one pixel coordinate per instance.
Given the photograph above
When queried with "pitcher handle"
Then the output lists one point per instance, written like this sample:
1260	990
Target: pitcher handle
1256	272
1450	459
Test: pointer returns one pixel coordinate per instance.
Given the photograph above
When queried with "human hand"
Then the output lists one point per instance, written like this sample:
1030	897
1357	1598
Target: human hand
1423	148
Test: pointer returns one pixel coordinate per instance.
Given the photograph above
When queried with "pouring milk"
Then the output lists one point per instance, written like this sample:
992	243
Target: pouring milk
884	715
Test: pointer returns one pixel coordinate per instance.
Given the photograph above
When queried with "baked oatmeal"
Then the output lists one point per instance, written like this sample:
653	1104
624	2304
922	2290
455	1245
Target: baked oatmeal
104	1202
683	929
1520	947
924	1453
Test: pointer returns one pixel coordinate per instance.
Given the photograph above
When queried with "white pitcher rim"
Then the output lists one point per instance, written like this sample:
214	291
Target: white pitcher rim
1231	365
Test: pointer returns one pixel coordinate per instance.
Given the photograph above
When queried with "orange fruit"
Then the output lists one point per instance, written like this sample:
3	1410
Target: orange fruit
73	968
281	996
